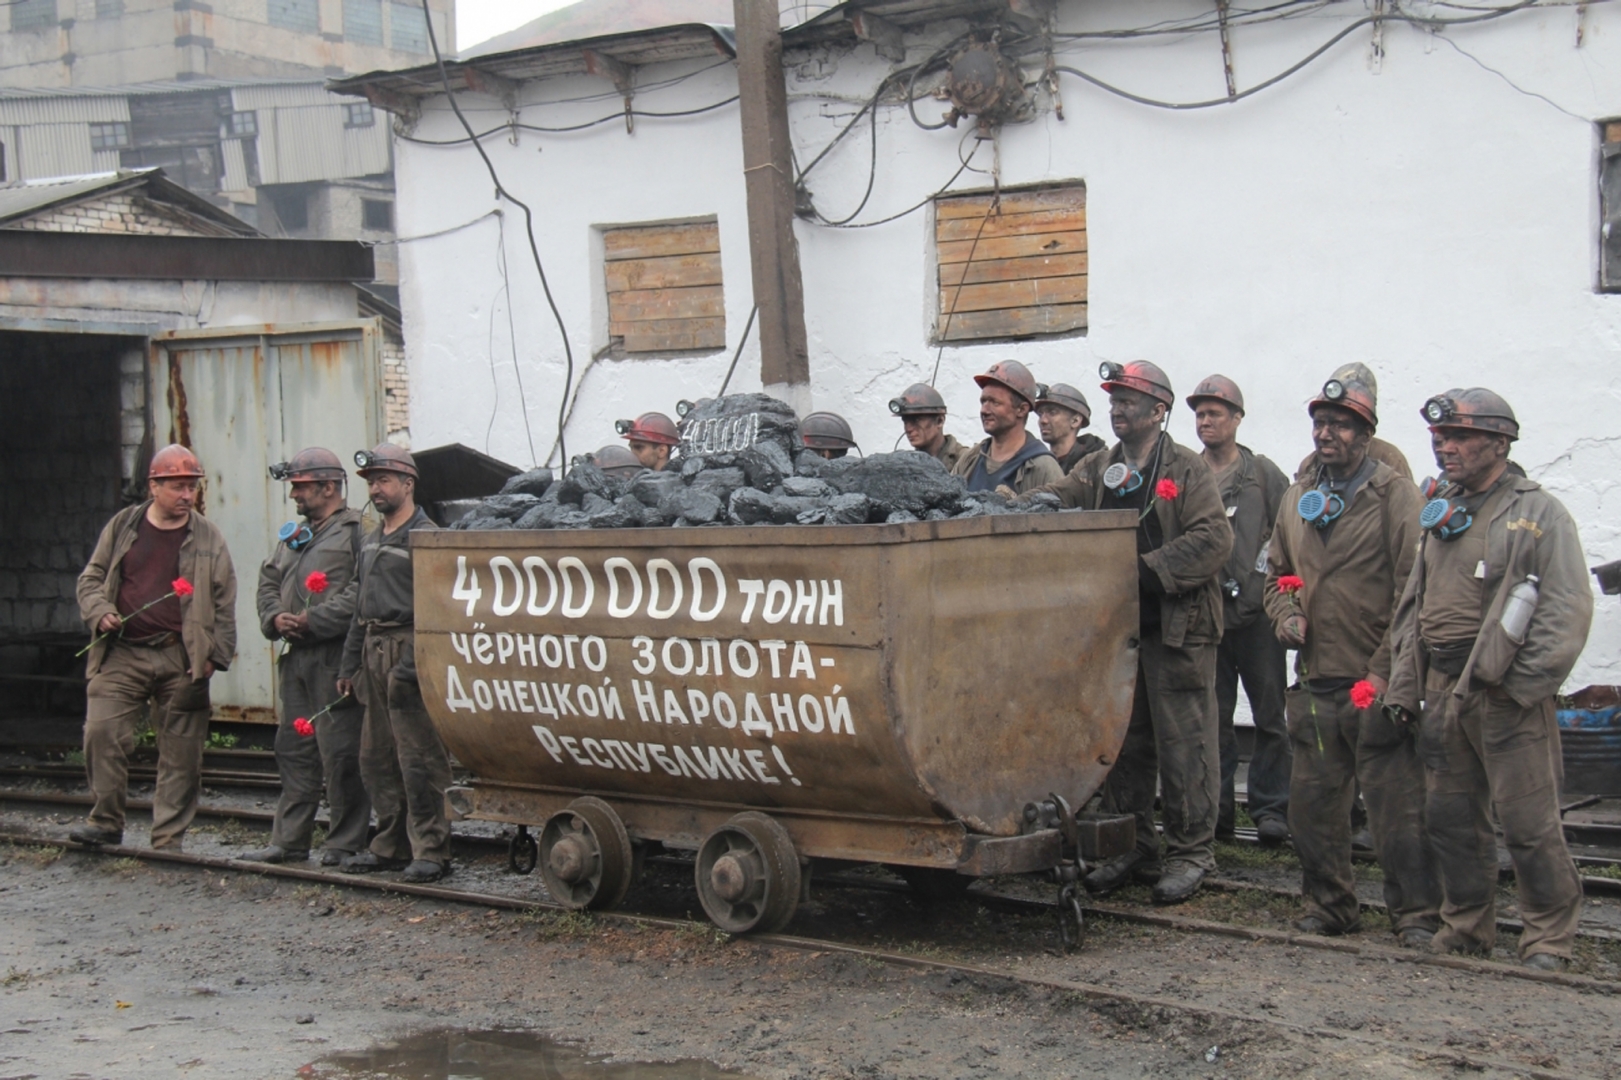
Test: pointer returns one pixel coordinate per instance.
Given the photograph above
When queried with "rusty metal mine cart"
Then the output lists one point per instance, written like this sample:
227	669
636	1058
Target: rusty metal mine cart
933	696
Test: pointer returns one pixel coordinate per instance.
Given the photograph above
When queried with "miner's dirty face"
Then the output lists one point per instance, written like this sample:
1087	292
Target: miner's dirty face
1001	410
1133	413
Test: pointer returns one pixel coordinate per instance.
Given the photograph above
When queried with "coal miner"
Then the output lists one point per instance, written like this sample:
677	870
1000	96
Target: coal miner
1183	541
306	599
1378	449
1494	615
1251	489
402	762
1011	457
1340	555
923	415
652	437
159	596
1061	413
827	434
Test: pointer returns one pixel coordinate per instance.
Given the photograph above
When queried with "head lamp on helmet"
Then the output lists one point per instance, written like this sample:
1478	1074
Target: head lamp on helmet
1143	376
1345	390
920	399
1065	397
281	470
385	457
650	427
1474	409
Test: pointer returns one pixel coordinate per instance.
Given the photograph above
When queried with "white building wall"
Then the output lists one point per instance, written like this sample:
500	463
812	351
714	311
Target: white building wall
1423	214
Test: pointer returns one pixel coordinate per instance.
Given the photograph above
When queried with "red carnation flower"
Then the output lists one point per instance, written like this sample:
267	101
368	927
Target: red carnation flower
181	587
1363	694
316	582
1289	583
303	727
1166	489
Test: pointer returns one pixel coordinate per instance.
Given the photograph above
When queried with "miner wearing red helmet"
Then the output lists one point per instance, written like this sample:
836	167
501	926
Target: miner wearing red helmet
1251	489
1012	457
1378	449
403	763
1493	617
159	598
1183	541
652	437
305	604
1341	551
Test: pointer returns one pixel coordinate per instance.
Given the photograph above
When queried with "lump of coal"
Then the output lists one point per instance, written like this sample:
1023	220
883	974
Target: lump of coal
693	505
534	482
765	465
508	507
594	504
732	424
809	464
906	480
624	514
650	487
720	481
852	509
806	487
547	515
900	517
751	506
584	477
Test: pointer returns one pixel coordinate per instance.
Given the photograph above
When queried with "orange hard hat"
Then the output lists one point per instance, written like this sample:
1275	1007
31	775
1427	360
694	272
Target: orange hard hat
1348	393
1474	409
1013	375
1217	388
827	431
652	427
174	462
1143	376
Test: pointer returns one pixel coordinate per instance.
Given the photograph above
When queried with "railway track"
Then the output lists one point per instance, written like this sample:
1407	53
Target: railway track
1090	991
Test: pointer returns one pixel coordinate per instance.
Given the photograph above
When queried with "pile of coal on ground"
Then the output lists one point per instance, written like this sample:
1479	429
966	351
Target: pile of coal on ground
772	481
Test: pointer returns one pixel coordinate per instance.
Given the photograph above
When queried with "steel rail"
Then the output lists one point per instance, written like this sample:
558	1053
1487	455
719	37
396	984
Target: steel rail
1088	990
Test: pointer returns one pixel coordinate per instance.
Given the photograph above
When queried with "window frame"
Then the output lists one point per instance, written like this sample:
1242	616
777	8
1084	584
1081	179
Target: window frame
245	129
98	135
353	110
637	269
366	208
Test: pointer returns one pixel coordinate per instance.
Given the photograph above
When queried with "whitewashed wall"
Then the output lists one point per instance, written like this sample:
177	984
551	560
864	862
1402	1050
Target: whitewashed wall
1422	215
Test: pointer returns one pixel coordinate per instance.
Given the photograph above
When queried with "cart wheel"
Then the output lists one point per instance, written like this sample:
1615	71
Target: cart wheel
748	875
522	852
934	885
585	856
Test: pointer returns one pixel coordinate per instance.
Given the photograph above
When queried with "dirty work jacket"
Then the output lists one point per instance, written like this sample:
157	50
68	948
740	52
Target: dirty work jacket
951	452
1378	450
1530	532
1251	491
383	591
1041	468
332	551
1352	582
207	617
1086	444
1197	543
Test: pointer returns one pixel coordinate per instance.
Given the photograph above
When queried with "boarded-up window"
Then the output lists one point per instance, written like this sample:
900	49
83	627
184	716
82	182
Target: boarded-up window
664	287
1014	269
1610	207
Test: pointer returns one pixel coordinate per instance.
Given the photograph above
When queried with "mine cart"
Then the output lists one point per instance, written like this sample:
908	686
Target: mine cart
934	696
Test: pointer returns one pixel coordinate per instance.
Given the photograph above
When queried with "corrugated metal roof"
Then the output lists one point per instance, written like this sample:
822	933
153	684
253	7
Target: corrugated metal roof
28	197
90	109
594	18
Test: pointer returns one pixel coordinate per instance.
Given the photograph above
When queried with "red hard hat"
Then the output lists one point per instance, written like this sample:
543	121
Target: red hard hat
1217	388
1013	375
826	431
1143	376
385	457
174	462
1474	409
1067	397
920	399
1348	393
652	427
315	463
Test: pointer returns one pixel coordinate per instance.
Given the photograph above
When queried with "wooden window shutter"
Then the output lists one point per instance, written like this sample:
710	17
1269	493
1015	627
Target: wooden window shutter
664	287
1610	208
1018	272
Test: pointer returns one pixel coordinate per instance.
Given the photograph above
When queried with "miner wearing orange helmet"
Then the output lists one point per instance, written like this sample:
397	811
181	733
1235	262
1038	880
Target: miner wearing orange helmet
1183	541
159	598
1012	456
652	436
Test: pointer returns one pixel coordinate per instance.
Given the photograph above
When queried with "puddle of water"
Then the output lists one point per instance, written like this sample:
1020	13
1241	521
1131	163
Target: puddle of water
497	1055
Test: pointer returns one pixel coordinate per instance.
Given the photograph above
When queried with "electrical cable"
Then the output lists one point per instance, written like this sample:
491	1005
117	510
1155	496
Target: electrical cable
529	227
915	207
990	208
512	340
753	311
507	128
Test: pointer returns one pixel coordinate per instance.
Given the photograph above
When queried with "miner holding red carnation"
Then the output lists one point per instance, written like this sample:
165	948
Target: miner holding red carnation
306	599
159	599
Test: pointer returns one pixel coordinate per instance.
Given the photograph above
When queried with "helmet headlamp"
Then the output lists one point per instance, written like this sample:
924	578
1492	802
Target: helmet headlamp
281	470
895	406
1109	371
1438	409
683	407
1333	390
624	427
365	459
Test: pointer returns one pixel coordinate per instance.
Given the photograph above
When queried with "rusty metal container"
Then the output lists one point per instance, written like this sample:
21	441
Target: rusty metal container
880	693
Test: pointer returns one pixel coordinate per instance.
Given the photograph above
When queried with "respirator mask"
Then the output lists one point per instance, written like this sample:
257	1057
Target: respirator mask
1445	519
1122	479
1320	508
295	534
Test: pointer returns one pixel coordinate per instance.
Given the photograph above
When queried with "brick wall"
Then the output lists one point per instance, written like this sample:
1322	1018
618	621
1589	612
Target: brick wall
396	395
60	466
122	213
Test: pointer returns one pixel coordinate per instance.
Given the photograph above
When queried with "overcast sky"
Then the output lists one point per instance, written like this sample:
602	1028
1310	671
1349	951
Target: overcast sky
479	20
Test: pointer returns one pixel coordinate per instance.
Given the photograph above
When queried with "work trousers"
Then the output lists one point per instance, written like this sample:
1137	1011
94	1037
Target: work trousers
1337	746
1253	654
328	762
1487	750
1171	742
130	679
402	760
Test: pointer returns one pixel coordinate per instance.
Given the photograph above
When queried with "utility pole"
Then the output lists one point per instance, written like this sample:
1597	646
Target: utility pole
769	181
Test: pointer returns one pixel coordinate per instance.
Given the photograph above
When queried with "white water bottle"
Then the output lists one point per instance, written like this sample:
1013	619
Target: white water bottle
1518	609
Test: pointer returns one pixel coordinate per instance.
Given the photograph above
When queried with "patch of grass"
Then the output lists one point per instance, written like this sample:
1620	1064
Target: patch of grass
220	740
74	757
1611	871
317	838
1255	857
41	856
552	925
14	978
125	865
233	833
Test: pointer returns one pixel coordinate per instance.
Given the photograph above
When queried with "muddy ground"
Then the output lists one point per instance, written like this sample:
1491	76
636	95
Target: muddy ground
119	968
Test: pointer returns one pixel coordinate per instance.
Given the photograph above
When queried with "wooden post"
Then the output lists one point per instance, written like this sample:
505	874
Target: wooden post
769	181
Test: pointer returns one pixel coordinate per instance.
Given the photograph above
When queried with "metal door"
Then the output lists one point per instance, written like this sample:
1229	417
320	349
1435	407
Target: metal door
243	399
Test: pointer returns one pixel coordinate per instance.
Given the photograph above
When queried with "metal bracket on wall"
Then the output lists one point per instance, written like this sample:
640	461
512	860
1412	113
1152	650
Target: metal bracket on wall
623	76
496	86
